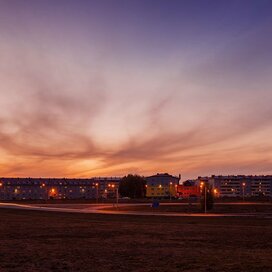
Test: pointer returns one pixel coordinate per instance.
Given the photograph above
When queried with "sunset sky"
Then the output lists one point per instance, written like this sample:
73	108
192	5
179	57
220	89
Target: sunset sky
101	88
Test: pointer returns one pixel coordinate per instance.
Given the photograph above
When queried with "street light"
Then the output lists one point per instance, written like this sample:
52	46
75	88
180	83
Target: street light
45	191
96	186
202	184
205	190
243	187
117	194
170	187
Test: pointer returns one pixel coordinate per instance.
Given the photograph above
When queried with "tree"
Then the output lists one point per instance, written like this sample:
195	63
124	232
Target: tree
207	196
132	186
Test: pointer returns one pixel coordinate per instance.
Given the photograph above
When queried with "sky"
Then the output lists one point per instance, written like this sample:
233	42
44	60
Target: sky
110	87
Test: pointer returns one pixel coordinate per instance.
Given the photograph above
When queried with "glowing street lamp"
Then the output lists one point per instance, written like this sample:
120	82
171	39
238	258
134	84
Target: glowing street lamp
45	191
170	187
205	188
96	186
243	187
202	184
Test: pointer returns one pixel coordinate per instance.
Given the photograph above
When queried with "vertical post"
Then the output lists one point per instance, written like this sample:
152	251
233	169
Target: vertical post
117	196
205	188
243	191
170	187
96	186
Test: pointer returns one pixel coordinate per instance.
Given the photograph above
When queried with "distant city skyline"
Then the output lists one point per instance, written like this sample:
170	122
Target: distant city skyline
107	88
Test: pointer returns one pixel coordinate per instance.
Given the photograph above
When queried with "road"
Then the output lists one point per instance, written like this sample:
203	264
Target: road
109	209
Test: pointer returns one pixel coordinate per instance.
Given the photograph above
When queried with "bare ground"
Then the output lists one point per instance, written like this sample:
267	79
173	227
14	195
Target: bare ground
51	241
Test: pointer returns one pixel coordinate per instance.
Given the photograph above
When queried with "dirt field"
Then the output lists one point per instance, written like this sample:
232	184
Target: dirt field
44	241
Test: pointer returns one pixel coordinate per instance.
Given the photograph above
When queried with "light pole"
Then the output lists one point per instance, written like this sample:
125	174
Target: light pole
205	194
170	187
243	187
96	186
43	186
205	190
117	196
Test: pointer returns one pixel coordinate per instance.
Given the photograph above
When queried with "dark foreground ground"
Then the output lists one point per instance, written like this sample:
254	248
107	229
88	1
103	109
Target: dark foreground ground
225	208
43	241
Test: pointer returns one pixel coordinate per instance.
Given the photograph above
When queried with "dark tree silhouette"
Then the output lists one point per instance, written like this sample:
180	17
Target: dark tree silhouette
132	186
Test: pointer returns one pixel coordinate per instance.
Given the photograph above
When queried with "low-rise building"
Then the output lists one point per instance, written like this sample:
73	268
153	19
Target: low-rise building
161	185
188	189
240	185
55	188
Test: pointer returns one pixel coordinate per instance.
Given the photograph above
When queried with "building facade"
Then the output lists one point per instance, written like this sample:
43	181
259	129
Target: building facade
188	189
240	186
161	186
43	188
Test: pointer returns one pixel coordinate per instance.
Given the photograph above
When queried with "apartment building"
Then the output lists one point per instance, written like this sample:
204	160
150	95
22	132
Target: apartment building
55	188
240	185
161	185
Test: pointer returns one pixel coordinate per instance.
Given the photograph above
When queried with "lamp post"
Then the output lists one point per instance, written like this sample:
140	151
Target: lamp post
43	186
205	209
243	187
160	192
145	192
96	186
205	195
117	196
170	187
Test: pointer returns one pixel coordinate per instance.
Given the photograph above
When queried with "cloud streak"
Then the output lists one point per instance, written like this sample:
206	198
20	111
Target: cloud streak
87	99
